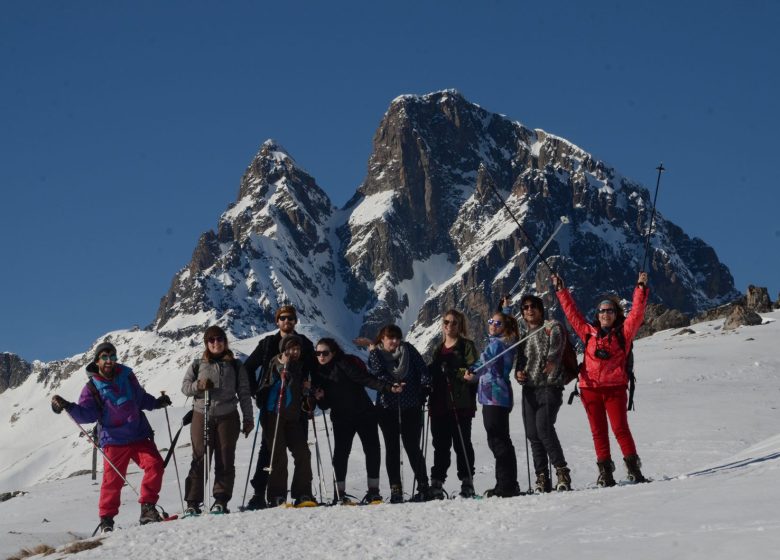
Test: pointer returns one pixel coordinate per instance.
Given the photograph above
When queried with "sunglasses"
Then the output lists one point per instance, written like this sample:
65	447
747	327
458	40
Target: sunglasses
105	358
448	322
325	353
494	322
607	310
215	339
291	318
528	306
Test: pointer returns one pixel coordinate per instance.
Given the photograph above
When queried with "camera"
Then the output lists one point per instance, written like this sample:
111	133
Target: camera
602	354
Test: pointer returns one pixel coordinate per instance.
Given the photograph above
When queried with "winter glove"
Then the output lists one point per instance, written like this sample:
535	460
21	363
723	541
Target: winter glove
247	427
425	394
204	384
163	401
58	404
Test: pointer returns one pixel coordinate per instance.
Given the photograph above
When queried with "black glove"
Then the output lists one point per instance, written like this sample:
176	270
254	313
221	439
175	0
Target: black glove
425	394
163	401
58	404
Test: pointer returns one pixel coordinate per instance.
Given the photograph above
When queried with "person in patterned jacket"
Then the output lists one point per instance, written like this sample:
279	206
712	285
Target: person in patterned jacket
114	398
538	370
395	361
493	370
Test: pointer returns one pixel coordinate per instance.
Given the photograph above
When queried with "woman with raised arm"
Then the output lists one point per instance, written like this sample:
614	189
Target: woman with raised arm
493	369
603	379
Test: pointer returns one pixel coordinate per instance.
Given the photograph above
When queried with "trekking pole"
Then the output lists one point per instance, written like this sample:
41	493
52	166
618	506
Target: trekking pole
660	169
509	348
522	229
270	467
254	443
323	497
173	444
525	436
251	458
207	455
460	431
330	452
423	442
564	221
400	446
105	457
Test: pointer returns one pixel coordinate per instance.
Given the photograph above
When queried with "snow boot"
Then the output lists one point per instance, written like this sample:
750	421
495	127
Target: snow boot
633	466
436	491
193	510
467	489
276	501
304	501
423	492
106	525
396	494
542	484
256	502
373	497
564	479
149	514
606	468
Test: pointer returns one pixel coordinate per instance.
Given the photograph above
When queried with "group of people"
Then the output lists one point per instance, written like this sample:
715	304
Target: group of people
288	377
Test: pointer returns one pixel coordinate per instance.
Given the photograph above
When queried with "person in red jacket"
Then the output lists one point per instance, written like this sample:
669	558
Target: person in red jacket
603	379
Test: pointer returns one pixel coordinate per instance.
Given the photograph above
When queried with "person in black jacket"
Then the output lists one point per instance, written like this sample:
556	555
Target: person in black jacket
286	319
452	405
343	379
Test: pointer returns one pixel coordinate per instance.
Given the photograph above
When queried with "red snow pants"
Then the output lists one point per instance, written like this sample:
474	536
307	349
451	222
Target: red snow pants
144	454
608	402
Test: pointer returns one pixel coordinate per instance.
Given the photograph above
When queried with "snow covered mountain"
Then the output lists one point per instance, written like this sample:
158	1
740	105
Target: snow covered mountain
424	232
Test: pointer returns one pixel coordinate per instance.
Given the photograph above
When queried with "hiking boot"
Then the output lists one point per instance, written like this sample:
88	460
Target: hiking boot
372	496
343	500
106	524
396	494
504	491
304	500
633	464
192	510
423	492
436	492
466	489
606	468
276	501
149	514
256	502
564	479
542	484
219	507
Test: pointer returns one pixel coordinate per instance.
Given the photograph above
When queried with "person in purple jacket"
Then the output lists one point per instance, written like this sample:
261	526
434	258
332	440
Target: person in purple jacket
114	398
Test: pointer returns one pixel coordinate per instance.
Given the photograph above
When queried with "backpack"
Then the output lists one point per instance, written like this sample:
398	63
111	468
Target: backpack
570	368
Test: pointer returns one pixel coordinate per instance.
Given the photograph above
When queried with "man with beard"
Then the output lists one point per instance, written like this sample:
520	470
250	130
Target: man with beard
286	319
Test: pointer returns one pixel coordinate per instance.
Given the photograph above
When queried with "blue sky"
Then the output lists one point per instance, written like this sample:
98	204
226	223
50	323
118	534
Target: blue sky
126	126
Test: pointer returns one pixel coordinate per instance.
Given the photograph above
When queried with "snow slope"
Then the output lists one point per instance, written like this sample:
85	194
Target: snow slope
707	428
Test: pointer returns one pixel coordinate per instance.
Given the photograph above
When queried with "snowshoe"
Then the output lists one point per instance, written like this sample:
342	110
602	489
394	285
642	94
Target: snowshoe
193	510
467	490
436	491
304	501
106	526
423	493
372	497
255	502
396	494
219	508
344	500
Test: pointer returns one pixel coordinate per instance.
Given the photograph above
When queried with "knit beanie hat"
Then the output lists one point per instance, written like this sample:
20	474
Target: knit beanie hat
104	347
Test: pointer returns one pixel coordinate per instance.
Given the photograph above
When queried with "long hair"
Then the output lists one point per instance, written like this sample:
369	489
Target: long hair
461	318
390	331
214	331
620	315
511	329
332	345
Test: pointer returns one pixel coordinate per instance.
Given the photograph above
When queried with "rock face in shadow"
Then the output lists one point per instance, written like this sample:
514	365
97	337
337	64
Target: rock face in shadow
741	316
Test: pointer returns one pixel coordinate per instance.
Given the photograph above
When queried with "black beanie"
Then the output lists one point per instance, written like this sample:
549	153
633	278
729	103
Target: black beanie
104	347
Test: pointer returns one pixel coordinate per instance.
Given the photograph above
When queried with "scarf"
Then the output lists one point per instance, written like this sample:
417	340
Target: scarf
397	363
